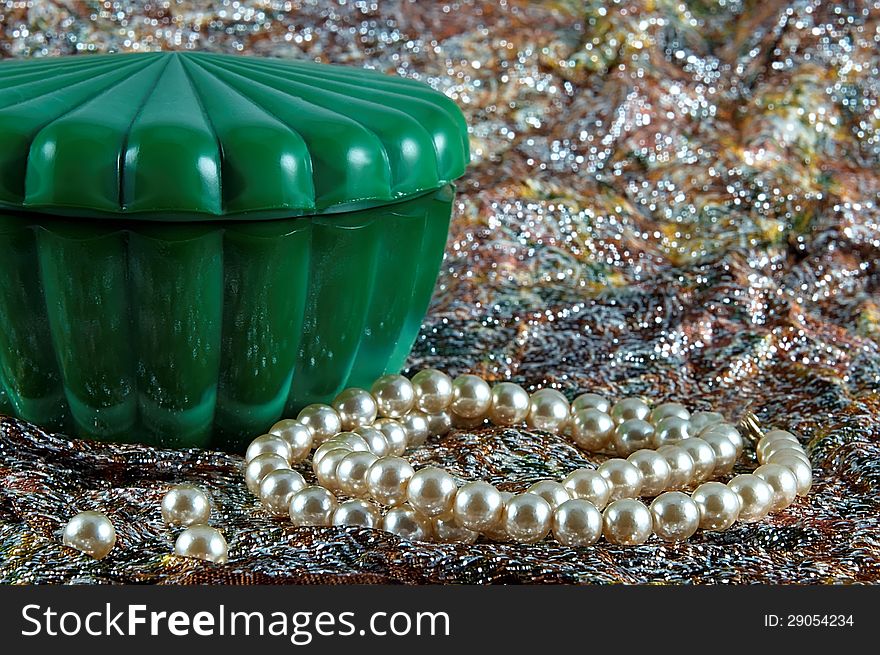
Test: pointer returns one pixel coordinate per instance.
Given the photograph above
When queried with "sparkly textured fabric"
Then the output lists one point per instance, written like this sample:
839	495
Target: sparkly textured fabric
673	200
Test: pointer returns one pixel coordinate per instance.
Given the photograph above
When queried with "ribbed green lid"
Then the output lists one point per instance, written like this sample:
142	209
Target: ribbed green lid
195	136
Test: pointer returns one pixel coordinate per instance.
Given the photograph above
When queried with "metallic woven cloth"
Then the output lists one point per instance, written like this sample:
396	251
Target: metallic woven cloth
669	199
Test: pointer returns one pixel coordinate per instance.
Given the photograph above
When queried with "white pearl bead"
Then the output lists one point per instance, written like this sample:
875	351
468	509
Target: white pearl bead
387	480
553	492
591	429
375	439
449	532
439	424
548	410
351	473
202	542
590	401
510	404
784	453
312	506
671	430
681	466
803	472
527	518
477	506
703	456
322	420
259	467
276	490
772	437
395	435
725	452
655	471
665	410
497	531
719	506
325	470
577	522
407	523
267	443
675	516
471	396
347	440
588	484
91	533
433	390
431	491
185	504
415	424
394	395
632	435
357	513
624	479
298	436
700	420
777	446
730	432
755	497
355	407
782	481
627	522
630	408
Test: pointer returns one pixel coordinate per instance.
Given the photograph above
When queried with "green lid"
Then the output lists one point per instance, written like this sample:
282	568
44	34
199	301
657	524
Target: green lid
195	136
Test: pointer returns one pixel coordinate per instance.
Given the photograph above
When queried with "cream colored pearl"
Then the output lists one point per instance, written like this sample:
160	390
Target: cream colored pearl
407	523
464	423
755	497
433	390
395	435
671	430
357	513
627	522
439	424
471	396
325	470
591	429
703	456
552	491
312	506
375	439
449	532
803	472
665	410
719	505
630	408
510	404
527	518
267	443
730	432
624	479
772	437
782	481
588	484
259	467
202	542
185	504
778	446
387	480
477	506
276	490
632	435
681	466
496	531
347	440
590	401
790	451
675	516
700	420
351	473
355	407
415	424
548	410
91	533
431	491
725	451
655	471
298	436
322	420
394	395
327	446
577	522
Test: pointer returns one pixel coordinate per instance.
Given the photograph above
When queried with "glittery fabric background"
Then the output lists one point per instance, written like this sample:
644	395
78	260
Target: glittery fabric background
671	199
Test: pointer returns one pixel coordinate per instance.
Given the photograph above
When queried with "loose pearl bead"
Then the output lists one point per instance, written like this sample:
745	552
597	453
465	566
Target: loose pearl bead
261	466
312	506
803	472
415	424
439	424
471	396
433	390
355	407
527	518
394	395
782	481
387	480
325	470
323	421
298	437
719	505
577	522
675	516
375	439
725	429
477	506
627	522
267	443
407	523
202	542
394	433
590	401
655	471
351	473
449	532
700	420
548	410
588	484
681	466
725	452
671	430
431	491
632	435
357	513
276	490
772	437
665	410
703	456
591	429
553	492
624	479
510	404
629	408
185	504
755	497
91	533
347	440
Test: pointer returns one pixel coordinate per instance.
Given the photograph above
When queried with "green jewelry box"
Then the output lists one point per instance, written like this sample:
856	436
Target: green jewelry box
194	245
